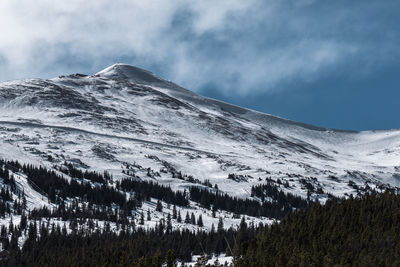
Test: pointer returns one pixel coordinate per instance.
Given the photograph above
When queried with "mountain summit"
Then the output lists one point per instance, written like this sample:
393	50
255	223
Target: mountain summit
132	124
122	71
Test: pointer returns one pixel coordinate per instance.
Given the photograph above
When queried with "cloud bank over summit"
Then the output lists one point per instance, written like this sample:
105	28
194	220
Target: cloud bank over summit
43	33
241	45
311	61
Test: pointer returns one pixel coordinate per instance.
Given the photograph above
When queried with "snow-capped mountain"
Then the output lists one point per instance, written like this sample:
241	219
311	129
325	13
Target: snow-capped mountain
125	120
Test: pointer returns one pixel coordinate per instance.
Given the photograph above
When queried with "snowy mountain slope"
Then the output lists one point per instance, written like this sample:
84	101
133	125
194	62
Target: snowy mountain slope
125	118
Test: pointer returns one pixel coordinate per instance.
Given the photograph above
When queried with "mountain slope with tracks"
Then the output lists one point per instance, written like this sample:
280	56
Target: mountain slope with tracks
134	125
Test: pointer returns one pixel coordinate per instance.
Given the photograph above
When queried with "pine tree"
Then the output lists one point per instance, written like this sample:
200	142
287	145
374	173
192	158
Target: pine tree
241	239
141	218
192	219
23	222
174	213
169	224
200	221
214	210
159	206
187	218
24	202
148	215
220	226
212	231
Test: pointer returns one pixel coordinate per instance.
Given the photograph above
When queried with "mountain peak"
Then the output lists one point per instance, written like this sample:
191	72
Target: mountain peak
131	73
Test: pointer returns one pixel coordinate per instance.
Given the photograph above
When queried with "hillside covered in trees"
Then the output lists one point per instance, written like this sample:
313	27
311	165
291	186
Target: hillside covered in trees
49	213
123	167
361	231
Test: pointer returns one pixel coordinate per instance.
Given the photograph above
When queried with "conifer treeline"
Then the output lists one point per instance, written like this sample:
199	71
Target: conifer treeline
150	189
285	200
97	189
282	203
92	176
360	231
58	188
54	247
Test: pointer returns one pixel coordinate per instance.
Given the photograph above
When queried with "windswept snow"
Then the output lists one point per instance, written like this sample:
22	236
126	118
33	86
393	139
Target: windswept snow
126	115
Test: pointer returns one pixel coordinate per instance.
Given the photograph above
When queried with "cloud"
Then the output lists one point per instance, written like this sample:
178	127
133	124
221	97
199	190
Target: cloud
241	46
86	28
249	71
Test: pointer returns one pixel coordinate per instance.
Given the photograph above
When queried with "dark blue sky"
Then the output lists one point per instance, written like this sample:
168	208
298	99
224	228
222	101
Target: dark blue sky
338	101
328	63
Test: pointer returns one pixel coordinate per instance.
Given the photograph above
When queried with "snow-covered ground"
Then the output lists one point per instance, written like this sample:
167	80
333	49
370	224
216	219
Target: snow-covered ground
124	116
222	260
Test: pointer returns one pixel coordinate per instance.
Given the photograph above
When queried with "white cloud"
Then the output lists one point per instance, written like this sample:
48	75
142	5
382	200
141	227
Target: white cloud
212	15
262	71
91	27
254	44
